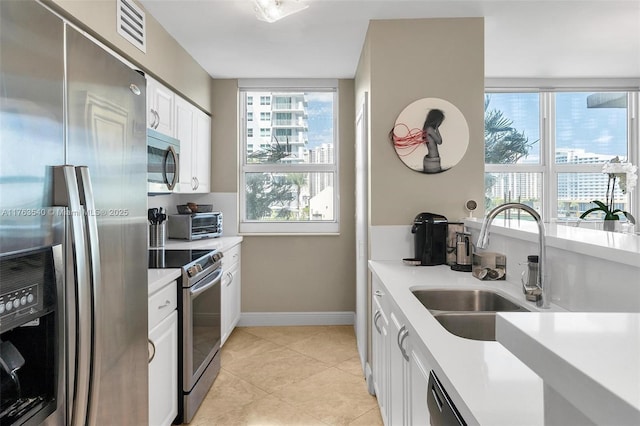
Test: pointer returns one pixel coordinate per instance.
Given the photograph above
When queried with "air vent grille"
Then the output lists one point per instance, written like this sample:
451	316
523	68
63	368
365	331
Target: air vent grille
131	23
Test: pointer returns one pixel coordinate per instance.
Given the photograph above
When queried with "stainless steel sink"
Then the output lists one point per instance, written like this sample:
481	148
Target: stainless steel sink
465	300
467	313
470	325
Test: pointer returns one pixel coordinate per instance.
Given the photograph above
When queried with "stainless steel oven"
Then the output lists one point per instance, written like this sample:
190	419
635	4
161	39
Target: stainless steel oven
199	322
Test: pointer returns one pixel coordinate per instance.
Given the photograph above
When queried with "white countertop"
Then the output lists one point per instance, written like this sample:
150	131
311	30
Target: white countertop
488	383
592	359
220	243
157	278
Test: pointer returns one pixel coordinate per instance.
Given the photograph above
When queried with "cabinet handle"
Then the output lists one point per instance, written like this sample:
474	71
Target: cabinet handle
166	303
157	119
378	293
197	183
402	334
152	350
153	123
377	315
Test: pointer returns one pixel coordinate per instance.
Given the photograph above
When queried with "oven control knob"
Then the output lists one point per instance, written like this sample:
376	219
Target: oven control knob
23	300
1	308
9	306
16	303
30	297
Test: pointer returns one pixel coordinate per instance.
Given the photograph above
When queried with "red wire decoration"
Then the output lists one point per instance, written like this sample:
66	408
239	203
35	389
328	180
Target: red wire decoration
411	139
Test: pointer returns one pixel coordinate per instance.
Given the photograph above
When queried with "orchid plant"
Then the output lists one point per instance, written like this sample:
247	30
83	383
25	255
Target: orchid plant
626	176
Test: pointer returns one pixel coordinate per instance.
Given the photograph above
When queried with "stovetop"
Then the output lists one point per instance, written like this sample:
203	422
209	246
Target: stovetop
161	258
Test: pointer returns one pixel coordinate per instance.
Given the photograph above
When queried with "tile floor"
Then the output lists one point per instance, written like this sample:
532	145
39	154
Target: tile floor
289	376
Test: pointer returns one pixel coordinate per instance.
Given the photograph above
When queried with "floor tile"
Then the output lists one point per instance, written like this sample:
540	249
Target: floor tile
370	418
243	345
332	345
284	335
228	392
265	411
333	396
274	369
352	366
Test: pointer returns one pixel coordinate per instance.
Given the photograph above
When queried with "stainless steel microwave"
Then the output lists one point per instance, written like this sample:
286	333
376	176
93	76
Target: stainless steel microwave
195	226
163	158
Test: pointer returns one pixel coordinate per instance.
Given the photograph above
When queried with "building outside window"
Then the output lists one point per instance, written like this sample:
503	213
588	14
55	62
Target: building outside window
547	149
290	183
249	116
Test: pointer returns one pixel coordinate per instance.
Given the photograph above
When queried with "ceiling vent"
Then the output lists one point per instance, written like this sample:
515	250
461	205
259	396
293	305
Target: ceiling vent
131	24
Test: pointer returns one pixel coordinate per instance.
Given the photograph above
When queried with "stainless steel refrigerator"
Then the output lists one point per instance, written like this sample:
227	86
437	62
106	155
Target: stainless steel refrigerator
73	175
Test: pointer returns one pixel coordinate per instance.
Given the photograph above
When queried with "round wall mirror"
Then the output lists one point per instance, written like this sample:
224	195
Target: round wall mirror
430	135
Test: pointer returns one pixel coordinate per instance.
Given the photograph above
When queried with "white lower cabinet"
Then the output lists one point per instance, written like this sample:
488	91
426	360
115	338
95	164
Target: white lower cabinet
231	291
163	356
400	371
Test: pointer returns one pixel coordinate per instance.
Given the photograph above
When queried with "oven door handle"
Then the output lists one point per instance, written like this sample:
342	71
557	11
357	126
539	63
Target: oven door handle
207	283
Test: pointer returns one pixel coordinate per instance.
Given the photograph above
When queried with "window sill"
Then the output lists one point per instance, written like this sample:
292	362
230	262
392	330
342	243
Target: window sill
611	246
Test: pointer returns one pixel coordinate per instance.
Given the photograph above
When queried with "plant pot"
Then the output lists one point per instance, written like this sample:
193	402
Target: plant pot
610	225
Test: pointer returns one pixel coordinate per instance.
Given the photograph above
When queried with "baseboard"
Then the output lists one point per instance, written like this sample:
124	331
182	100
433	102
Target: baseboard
251	319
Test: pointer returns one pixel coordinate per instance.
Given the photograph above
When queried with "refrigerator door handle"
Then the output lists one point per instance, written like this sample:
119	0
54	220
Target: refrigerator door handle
66	194
86	198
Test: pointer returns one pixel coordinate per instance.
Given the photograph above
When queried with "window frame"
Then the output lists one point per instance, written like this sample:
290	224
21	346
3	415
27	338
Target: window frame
258	227
548	167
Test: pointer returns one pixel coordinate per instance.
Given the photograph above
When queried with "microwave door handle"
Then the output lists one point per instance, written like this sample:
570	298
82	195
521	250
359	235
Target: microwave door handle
66	194
171	152
86	197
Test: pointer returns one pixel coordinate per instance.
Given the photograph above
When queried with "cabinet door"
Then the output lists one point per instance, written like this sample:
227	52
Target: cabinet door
163	372
397	371
418	388
164	106
201	163
380	361
185	133
230	300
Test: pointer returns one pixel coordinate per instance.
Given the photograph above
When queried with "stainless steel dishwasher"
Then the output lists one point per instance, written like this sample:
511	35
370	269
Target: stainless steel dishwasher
442	411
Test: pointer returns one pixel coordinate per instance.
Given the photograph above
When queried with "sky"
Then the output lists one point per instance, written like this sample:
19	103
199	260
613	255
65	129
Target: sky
596	130
320	118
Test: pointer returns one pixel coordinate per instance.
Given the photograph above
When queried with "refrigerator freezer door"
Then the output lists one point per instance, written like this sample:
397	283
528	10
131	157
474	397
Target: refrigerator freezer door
31	129
107	133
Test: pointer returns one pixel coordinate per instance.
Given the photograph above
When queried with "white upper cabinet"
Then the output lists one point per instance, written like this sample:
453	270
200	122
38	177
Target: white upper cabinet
160	108
174	116
193	129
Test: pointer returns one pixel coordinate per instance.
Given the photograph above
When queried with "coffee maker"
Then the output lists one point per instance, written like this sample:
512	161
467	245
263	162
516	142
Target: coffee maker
430	239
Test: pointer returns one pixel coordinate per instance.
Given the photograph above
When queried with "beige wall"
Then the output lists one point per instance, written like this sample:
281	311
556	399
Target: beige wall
224	134
408	60
165	59
292	273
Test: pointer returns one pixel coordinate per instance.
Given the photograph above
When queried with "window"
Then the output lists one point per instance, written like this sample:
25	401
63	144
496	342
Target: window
249	132
249	100
547	149
290	184
249	116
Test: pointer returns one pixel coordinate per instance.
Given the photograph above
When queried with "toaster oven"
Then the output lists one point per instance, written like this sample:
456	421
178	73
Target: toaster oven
195	226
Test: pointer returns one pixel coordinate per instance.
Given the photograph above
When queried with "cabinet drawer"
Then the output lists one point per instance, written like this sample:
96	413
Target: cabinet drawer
231	256
162	303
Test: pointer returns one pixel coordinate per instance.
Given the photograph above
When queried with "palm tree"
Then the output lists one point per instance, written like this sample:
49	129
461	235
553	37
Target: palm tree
503	143
298	180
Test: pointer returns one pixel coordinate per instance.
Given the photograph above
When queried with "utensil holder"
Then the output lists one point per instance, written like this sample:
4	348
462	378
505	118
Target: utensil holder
157	235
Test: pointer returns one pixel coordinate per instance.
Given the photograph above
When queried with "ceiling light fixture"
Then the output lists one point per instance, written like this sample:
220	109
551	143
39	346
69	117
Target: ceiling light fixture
274	10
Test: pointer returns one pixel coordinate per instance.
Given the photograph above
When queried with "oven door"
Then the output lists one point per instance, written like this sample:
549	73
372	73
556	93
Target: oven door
201	326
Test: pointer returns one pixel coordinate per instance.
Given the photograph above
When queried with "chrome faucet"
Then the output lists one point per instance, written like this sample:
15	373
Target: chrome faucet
483	242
